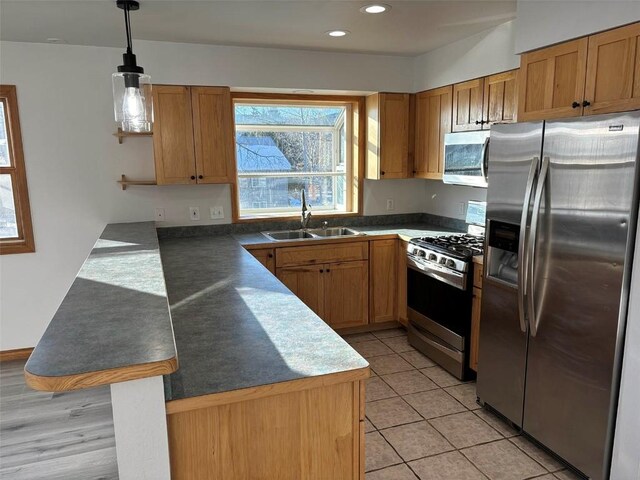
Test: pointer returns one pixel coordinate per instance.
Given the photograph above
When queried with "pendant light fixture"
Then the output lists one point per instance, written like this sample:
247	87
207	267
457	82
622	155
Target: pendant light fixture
132	102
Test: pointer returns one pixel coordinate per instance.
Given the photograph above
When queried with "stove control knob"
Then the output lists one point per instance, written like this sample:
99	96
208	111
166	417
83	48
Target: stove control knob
415	251
443	261
421	253
451	263
433	257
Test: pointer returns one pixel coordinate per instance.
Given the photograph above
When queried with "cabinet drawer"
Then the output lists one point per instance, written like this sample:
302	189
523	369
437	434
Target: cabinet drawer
317	254
477	275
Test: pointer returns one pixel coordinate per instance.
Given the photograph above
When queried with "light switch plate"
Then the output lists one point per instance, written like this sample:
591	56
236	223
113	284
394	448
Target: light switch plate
390	204
216	213
194	213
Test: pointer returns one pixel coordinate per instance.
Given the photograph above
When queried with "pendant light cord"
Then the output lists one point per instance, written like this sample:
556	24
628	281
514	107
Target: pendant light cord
127	24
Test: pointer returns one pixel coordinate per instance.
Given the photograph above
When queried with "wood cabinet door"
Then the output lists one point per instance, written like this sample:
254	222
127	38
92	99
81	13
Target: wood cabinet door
383	261
475	328
500	98
394	135
213	134
551	81
402	282
173	135
346	294
613	71
265	256
433	120
306	282
467	105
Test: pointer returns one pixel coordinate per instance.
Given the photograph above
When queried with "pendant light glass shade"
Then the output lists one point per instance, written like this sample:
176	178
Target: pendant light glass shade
132	102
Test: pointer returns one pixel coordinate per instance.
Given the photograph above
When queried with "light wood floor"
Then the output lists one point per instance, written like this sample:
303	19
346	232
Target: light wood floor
54	435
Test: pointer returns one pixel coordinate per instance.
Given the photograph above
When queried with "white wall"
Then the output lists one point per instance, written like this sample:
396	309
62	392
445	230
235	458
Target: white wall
445	200
487	52
545	22
407	196
73	161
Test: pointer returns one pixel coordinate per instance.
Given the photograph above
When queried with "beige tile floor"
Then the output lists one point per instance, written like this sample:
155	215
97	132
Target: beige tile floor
423	423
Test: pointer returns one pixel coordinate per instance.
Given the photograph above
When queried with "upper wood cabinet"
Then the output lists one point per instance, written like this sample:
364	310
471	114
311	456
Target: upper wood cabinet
383	258
213	134
467	105
433	120
193	135
500	98
388	119
552	81
173	135
613	71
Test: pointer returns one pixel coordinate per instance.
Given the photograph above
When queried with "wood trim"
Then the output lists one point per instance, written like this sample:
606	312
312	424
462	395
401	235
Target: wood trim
370	327
64	383
25	242
15	354
355	128
262	391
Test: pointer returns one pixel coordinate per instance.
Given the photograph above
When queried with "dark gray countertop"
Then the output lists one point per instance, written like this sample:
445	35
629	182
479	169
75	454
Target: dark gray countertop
237	326
115	313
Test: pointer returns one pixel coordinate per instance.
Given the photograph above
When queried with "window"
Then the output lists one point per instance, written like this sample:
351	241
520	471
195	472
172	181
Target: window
16	233
286	146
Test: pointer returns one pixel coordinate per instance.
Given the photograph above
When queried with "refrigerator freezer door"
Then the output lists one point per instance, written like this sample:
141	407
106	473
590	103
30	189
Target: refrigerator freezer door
503	345
580	277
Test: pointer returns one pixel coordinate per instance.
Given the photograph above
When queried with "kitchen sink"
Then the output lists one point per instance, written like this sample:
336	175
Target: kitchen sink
334	232
309	234
289	235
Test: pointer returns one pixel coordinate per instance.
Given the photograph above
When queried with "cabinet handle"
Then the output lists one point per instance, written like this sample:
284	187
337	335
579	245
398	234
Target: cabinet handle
270	255
328	270
586	103
321	271
478	122
575	105
193	177
382	172
200	177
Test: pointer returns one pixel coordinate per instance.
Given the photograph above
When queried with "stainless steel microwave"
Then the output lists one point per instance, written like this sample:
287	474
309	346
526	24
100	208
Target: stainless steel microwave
465	158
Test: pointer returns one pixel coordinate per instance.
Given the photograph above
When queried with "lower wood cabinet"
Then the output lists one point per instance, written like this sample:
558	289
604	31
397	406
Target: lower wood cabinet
337	290
266	256
475	316
383	275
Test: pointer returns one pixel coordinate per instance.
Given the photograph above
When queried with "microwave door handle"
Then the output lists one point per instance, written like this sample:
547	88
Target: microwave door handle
534	323
483	162
522	243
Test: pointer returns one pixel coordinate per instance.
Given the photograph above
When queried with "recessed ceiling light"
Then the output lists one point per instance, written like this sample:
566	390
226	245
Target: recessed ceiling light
337	33
376	8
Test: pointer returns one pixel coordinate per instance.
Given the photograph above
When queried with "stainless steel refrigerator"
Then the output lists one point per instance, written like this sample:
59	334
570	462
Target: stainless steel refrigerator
561	218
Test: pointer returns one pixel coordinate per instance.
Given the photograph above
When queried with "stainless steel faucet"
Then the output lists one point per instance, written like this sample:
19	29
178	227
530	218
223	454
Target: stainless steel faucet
306	214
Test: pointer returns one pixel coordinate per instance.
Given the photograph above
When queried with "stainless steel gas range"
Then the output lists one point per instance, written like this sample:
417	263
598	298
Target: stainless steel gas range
439	297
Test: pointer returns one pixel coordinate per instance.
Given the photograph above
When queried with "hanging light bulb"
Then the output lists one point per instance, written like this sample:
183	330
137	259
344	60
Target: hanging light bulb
132	101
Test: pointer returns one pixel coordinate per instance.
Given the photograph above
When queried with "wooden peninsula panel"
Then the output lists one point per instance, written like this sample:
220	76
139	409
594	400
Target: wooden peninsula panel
301	430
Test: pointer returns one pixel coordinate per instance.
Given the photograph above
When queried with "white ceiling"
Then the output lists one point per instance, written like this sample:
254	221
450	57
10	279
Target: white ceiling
409	28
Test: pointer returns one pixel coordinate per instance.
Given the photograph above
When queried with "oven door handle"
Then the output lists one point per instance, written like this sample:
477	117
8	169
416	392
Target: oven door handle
450	277
523	244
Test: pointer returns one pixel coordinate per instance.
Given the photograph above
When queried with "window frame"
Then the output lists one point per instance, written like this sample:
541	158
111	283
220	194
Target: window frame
25	242
355	129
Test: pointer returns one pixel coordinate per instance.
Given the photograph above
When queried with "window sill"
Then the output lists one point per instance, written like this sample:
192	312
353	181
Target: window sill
11	248
270	217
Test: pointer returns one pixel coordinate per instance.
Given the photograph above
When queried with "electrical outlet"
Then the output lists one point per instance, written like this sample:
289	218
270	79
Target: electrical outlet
390	204
216	212
461	208
159	215
194	213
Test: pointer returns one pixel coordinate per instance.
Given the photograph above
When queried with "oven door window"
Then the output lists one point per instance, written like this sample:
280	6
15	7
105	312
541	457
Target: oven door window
442	303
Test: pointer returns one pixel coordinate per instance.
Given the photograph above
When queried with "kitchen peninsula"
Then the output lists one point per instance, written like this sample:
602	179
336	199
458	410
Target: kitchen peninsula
254	381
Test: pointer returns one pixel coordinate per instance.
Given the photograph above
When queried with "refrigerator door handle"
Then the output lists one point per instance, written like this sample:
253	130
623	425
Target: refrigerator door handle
522	244
483	163
534	322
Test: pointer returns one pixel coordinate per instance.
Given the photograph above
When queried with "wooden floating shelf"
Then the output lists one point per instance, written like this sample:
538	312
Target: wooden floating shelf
124	182
121	135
